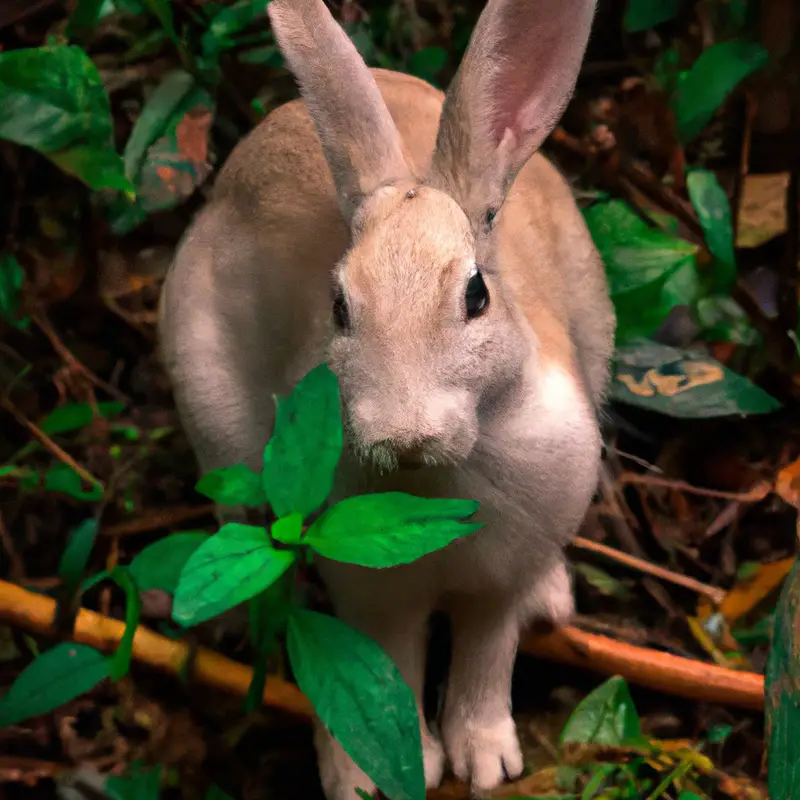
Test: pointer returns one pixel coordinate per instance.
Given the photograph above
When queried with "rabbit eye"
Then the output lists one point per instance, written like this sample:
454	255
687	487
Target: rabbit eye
340	314
477	296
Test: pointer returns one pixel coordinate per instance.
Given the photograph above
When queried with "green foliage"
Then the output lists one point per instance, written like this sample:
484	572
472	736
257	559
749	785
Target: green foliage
12	276
383	530
140	783
159	565
649	271
362	699
54	101
52	679
62	478
236	485
683	384
714	212
166	154
76	554
428	62
74	416
607	716
120	661
643	14
782	701
301	456
709	81
230	567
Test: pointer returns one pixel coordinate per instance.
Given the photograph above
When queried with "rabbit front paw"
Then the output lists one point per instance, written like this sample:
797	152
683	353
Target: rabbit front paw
340	776
483	755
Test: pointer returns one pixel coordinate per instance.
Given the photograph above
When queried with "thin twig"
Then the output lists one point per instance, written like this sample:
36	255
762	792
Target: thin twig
158	519
61	454
713	593
753	495
38	316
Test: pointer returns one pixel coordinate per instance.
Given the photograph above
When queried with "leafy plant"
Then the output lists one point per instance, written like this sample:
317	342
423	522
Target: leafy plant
54	101
354	685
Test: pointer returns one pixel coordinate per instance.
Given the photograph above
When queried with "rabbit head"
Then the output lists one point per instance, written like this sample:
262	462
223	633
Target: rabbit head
425	333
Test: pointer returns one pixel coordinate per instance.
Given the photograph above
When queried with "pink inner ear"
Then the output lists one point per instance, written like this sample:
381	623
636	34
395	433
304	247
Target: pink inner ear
533	57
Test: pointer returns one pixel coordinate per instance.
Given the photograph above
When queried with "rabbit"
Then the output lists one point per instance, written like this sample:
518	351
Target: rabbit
420	244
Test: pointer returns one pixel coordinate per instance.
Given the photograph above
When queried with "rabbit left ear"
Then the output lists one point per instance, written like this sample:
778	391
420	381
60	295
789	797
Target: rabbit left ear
511	89
362	145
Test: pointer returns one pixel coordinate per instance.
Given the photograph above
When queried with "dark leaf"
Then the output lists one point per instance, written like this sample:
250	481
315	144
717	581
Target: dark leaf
62	478
229	21
714	212
120	661
361	698
76	554
643	14
54	101
232	486
384	530
300	458
682	383
706	86
233	565
52	679
74	416
12	276
166	156
607	716
782	701
159	565
428	62
140	783
722	319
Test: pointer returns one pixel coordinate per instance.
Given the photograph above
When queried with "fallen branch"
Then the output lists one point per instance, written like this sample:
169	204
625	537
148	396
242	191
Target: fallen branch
35	613
667	673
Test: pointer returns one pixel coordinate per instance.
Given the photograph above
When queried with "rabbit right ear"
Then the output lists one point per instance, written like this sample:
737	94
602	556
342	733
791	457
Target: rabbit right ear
362	145
512	86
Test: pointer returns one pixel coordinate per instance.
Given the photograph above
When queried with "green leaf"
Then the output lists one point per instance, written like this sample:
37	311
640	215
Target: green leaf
229	21
643	14
683	383
83	18
76	554
54	101
12	276
62	478
140	783
606	716
231	486
159	565
428	62
232	566
649	270
52	679
714	212
722	319
706	86
688	796
719	733
215	793
166	156
782	700
300	458
120	661
604	583
74	416
383	530
360	696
